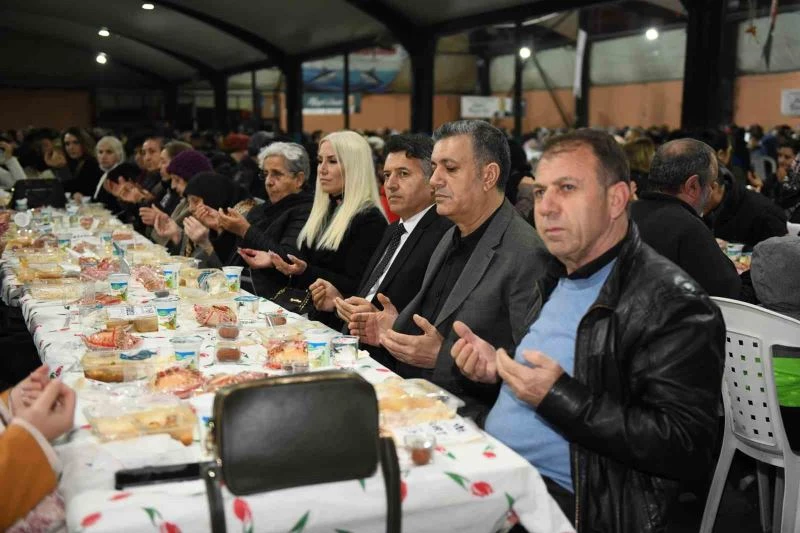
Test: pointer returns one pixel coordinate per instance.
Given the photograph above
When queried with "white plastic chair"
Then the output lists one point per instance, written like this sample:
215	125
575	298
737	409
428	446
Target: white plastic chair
753	423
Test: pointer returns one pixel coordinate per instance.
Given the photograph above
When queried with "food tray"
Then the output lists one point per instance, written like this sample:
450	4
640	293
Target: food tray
56	289
118	420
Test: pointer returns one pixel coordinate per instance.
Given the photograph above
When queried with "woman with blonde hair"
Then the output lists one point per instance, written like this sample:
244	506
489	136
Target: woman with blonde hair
346	222
640	153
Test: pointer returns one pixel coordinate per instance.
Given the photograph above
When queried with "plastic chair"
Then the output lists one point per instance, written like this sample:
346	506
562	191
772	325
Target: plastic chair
753	423
292	431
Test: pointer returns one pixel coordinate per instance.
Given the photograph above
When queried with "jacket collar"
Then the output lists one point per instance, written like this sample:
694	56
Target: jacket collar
624	251
668	199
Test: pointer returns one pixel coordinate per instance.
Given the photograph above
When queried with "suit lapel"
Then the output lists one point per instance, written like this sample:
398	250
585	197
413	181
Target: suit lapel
408	247
478	263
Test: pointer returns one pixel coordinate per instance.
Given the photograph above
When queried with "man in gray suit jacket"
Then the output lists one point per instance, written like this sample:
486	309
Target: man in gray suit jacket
481	273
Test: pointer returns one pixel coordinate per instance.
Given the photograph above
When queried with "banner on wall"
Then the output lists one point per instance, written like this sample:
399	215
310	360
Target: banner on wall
488	107
790	102
371	70
329	103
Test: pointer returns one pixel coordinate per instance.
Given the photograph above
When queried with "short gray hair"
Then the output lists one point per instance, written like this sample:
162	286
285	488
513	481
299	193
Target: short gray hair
489	144
116	146
295	155
678	160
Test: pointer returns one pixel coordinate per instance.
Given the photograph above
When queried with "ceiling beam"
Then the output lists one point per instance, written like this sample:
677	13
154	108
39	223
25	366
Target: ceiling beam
643	8
510	14
344	48
395	21
271	50
92	53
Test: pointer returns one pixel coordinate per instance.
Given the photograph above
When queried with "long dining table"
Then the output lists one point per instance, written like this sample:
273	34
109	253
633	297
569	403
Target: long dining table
474	483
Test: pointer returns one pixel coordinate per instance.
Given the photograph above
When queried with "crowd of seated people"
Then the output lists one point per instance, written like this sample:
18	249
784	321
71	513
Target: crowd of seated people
514	275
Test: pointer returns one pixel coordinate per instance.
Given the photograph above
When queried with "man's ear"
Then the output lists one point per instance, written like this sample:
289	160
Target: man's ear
619	195
491	175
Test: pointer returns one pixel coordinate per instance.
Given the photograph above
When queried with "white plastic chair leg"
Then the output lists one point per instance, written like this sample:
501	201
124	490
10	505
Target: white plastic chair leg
764	496
718	484
790	498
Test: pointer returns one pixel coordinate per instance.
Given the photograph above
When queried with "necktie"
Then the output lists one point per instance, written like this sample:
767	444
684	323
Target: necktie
380	268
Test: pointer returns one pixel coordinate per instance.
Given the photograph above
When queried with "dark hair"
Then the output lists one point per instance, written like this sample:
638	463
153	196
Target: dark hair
129	171
718	140
84	138
678	160
489	145
791	144
414	146
612	162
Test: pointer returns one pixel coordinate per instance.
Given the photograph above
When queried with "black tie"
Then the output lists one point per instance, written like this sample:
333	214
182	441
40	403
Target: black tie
380	268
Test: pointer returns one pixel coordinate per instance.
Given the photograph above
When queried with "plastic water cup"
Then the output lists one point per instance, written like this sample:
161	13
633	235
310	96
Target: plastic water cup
318	341
234	277
22	204
119	285
344	351
187	349
172	276
64	240
167	311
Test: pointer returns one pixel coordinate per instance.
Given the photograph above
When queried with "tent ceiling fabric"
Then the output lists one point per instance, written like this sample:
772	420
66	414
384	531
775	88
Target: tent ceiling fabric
191	40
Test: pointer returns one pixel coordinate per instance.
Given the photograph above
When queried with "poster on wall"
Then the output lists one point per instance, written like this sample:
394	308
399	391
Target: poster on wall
790	102
371	70
329	103
487	107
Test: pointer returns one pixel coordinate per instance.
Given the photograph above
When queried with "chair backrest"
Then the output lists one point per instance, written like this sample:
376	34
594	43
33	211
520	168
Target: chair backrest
291	431
749	393
40	192
763	166
297	430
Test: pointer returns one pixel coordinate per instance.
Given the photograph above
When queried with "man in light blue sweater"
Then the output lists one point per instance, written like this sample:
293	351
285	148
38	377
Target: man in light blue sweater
612	392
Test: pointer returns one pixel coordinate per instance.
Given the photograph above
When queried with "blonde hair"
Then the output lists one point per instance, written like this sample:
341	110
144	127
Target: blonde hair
354	156
640	153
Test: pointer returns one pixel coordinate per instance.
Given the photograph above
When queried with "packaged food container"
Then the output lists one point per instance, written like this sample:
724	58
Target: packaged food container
234	276
248	305
55	289
179	380
227	351
125	420
171	275
344	350
319	346
420	447
410	402
228	331
143	318
117	366
167	310
284	346
118	284
187	349
211	312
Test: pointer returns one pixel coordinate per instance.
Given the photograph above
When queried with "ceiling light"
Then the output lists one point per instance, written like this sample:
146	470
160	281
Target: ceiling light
103	32
101	58
524	52
651	34
148	7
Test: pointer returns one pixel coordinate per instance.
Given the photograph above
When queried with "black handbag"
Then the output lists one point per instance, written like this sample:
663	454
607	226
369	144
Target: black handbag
294	300
39	192
292	431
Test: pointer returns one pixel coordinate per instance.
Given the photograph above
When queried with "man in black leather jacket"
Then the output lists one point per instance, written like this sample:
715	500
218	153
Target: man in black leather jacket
628	376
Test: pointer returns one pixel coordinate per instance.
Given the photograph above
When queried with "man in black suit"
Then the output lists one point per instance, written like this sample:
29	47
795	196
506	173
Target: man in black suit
398	265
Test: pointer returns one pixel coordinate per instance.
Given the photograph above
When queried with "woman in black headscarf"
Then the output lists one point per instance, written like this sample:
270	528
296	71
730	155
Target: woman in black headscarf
214	191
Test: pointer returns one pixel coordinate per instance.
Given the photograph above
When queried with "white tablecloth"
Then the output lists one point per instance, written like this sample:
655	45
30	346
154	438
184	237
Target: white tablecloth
478	486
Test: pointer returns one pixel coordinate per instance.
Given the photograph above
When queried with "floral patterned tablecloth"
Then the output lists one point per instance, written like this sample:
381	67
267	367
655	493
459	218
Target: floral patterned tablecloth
474	486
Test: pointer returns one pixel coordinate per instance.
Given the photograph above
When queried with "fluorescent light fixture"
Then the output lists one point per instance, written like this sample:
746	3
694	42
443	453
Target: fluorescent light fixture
148	6
651	34
524	52
101	58
104	32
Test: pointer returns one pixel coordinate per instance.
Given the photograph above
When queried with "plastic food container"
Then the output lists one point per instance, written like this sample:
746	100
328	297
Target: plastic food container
318	341
284	346
115	366
119	285
410	402
187	349
167	310
227	352
56	289
171	276
126	420
234	276
228	331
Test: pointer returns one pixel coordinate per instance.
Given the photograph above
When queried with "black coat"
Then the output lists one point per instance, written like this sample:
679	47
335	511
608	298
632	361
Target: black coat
345	266
677	232
640	411
86	175
745	216
404	277
272	227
